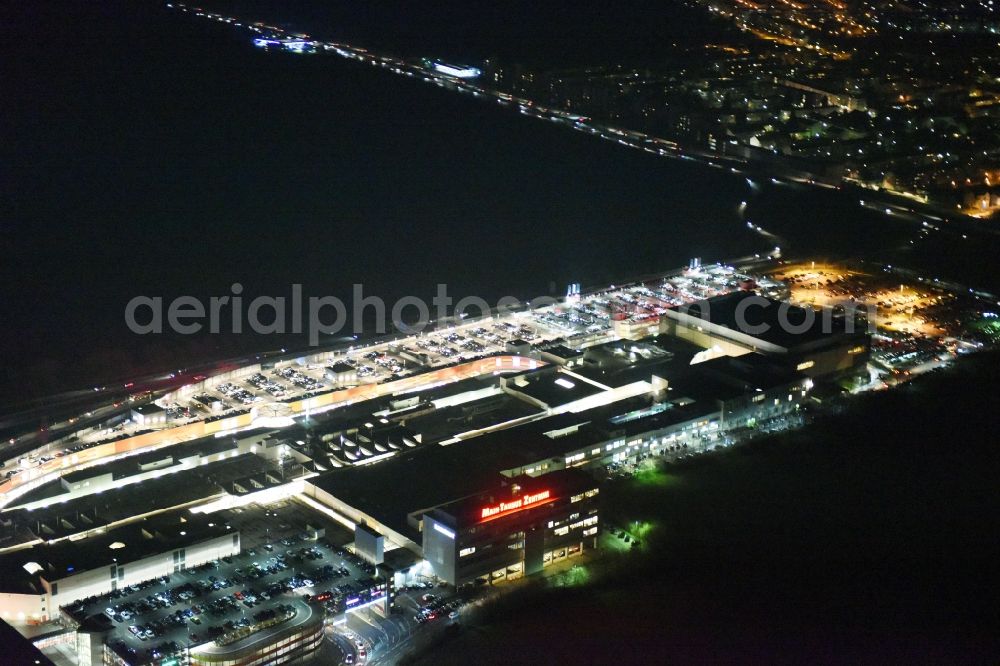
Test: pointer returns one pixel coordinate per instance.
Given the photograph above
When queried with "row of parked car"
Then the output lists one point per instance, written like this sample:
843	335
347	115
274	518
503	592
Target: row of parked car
435	607
131	655
216	631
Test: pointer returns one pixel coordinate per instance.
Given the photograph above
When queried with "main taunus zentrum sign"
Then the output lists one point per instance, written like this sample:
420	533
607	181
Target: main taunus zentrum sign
525	501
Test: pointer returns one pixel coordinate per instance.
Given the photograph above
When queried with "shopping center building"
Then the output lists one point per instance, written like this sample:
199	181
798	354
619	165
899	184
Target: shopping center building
513	530
818	343
548	432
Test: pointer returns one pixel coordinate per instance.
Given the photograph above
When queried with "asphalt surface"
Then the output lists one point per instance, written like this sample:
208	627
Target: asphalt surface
191	632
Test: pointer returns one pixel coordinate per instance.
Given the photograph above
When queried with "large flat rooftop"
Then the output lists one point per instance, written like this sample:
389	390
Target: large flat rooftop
774	322
560	484
123	544
88	512
418	479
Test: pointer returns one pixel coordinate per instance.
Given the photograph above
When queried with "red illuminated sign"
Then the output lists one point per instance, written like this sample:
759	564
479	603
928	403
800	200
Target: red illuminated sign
526	501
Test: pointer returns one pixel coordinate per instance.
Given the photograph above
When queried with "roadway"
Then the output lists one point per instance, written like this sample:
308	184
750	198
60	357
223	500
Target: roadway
367	637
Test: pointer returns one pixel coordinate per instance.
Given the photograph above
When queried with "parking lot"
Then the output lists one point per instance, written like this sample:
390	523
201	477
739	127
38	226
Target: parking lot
387	361
165	615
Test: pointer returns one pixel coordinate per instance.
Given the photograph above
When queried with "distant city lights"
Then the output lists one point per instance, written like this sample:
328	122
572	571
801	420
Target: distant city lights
458	71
